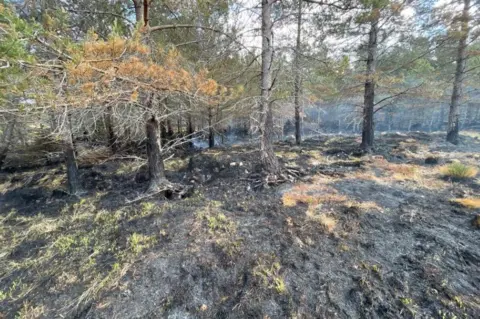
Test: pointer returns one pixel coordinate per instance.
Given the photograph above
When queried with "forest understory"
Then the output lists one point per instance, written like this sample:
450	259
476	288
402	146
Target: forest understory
381	235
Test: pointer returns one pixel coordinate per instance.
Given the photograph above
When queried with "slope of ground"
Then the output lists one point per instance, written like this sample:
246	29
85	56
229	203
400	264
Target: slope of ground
359	236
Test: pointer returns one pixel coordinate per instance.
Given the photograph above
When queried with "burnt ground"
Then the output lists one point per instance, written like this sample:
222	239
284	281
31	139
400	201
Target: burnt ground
359	236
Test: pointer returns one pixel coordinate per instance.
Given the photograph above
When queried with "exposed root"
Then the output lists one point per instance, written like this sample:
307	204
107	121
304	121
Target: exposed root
266	180
165	188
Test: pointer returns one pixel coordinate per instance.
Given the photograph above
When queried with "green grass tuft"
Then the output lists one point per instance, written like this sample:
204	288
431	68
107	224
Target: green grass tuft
458	170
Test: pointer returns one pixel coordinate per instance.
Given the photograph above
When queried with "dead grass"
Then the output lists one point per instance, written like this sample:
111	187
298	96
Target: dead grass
470	203
367	175
30	311
321	198
92	156
315	157
412	176
473	134
404	171
176	164
397	171
327	222
363	206
287	155
311	196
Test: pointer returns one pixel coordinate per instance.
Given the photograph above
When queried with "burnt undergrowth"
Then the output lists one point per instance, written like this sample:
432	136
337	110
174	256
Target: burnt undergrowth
357	235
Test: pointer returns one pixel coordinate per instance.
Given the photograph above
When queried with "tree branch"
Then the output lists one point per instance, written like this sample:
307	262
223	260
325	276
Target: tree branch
394	96
346	6
101	13
193	26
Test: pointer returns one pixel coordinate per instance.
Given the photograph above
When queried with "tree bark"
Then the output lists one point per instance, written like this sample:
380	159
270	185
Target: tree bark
169	129
73	180
112	138
297	80
156	170
211	132
453	116
190	129
138	5
7	139
146	12
268	158
163	131
369	96
155	161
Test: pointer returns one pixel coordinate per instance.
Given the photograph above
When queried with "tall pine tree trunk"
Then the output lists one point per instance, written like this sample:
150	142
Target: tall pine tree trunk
297	80
454	114
112	139
154	155
211	132
268	158
138	6
190	128
169	129
156	170
73	180
7	139
369	95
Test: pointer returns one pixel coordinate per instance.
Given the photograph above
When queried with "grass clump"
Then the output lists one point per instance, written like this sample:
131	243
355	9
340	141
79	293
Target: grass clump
459	302
65	244
221	230
138	242
328	223
458	170
30	311
267	271
406	301
215	219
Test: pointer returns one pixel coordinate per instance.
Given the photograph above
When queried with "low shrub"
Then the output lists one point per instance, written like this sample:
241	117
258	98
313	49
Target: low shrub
458	170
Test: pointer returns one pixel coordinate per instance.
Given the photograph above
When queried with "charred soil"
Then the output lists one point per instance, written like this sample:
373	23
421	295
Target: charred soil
383	235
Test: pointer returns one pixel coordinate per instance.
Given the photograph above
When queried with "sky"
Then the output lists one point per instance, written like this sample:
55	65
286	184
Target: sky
246	17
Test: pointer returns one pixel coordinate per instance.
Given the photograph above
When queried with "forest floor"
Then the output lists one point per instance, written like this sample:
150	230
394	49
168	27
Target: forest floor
359	236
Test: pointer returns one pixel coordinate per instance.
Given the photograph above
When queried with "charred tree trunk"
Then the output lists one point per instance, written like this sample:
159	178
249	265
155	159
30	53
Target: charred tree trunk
163	131
146	12
7	139
154	156
73	180
297	80
112	138
74	186
369	96
268	158
211	132
190	129
454	114
169	129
